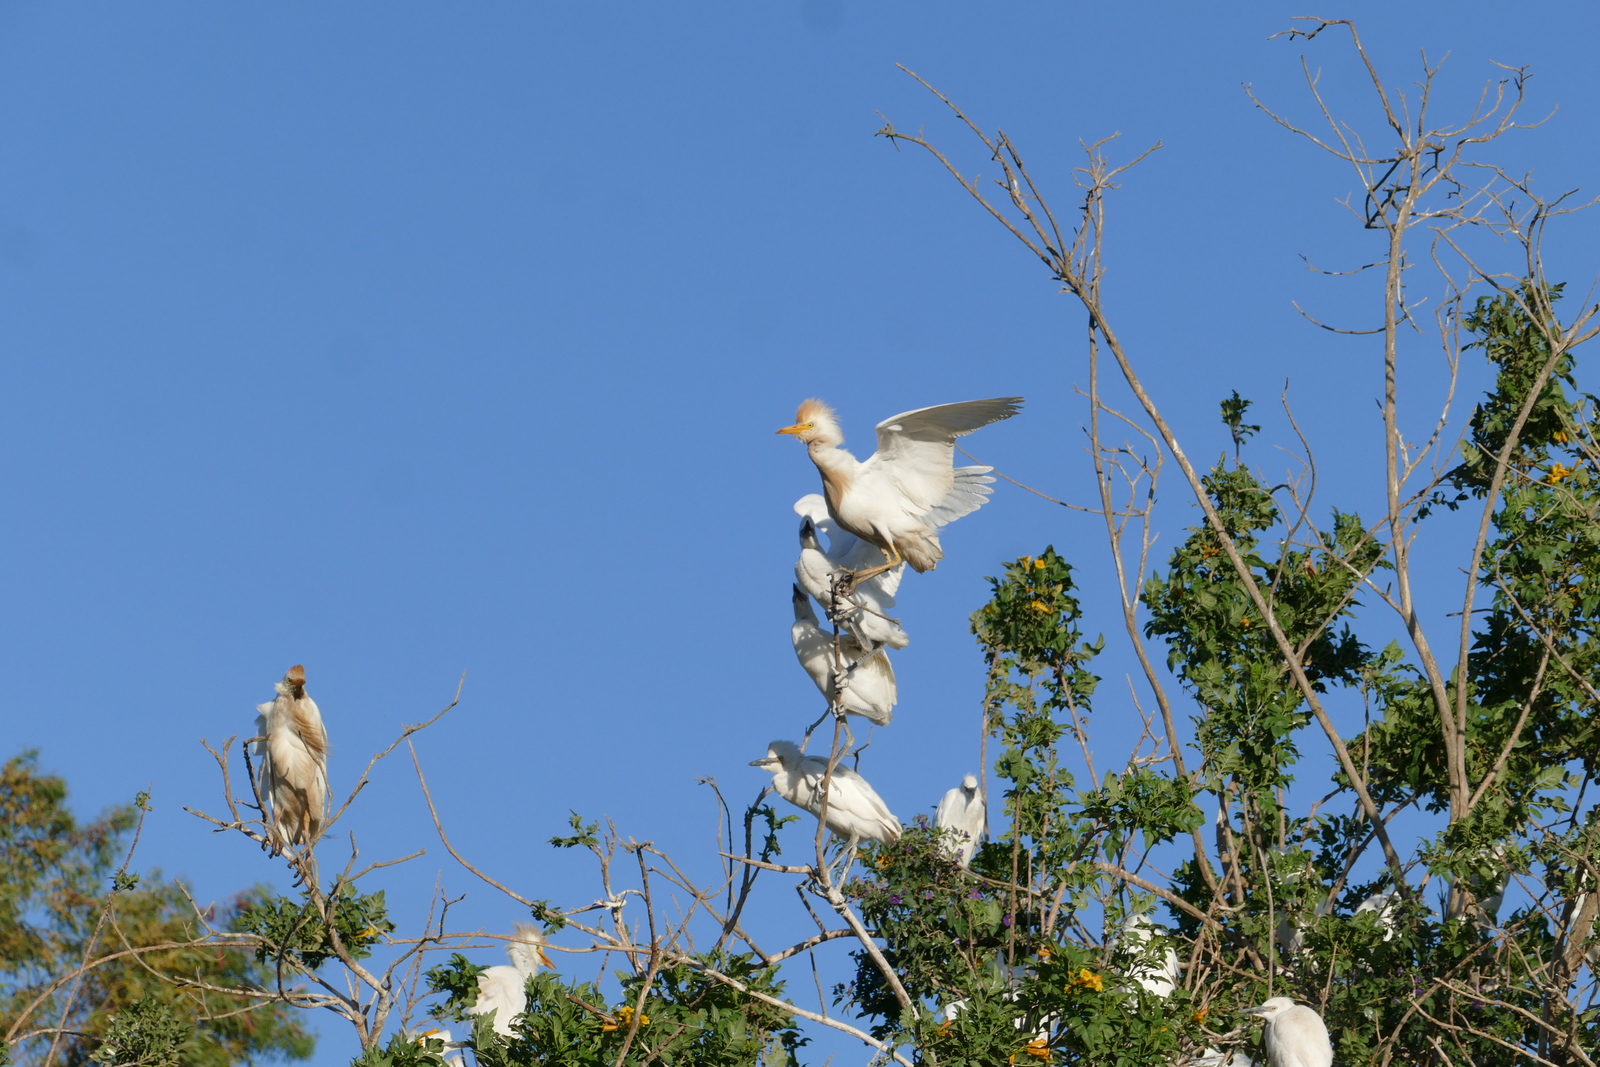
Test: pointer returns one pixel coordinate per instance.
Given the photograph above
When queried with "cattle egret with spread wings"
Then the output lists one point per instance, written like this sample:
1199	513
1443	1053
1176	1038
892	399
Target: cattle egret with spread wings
898	497
504	990
294	761
869	687
962	811
855	811
864	611
1294	1036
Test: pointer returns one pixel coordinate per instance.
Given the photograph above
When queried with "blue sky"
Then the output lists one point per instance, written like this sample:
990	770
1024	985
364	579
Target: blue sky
403	340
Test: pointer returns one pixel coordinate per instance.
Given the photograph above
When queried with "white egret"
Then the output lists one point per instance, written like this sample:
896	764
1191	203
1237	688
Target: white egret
1294	1036
869	687
855	811
1382	905
294	761
898	497
864	611
1160	979
962	811
1212	1057
439	1033
504	990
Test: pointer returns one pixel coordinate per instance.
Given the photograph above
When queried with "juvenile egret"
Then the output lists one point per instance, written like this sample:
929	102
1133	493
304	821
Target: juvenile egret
504	990
962	811
855	811
868	690
864	612
1294	1035
1160	979
294	761
898	497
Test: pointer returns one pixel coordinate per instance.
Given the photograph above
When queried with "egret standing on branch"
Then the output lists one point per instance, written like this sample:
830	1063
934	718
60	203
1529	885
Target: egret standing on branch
962	811
869	687
1294	1036
855	811
864	611
898	497
504	990
294	761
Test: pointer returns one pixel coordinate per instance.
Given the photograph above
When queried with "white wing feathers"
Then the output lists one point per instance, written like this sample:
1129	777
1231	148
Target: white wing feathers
916	451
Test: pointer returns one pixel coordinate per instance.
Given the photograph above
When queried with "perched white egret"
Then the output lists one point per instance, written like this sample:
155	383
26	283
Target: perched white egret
504	990
1383	905
1160	979
293	751
855	811
864	612
898	497
439	1033
869	688
1212	1057
1294	1035
962	810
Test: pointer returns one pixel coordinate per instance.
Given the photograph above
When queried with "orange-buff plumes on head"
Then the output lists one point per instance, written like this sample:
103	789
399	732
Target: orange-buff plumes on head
294	762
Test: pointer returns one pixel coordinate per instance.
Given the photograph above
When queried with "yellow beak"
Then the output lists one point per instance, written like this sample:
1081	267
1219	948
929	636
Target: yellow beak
545	960
798	427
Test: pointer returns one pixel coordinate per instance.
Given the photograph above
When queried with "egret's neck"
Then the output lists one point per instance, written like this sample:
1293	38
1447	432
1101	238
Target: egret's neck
838	469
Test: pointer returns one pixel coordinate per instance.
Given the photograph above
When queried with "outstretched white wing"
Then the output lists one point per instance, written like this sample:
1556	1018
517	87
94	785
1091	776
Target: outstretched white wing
916	452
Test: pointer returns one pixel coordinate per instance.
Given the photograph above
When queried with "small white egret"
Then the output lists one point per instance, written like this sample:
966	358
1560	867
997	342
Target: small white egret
504	990
294	761
1160	979
439	1033
1383	905
865	610
855	811
1294	1036
898	497
869	687
1212	1057
962	811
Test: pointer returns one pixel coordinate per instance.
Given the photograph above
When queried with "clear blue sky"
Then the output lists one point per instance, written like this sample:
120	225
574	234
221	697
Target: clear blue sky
404	339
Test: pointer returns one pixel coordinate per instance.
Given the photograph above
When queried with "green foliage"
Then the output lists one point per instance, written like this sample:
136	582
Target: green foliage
404	1050
300	931
144	1034
458	981
688	1018
55	883
1233	409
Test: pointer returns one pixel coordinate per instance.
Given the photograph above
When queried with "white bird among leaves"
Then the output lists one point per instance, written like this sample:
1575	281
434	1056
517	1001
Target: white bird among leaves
504	990
869	687
1294	1036
865	611
1160	979
294	761
855	811
961	811
898	497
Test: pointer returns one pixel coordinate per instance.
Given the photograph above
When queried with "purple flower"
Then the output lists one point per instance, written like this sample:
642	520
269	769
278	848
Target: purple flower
974	895
894	898
1007	920
927	894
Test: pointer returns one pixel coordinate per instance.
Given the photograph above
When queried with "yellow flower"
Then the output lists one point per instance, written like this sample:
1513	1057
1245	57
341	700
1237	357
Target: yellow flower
1037	1048
1560	437
1038	564
625	1019
1559	473
1038	605
1086	979
1044	954
1200	1016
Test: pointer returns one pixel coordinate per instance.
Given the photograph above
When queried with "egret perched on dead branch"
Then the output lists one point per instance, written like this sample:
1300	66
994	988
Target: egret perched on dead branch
504	990
1295	1035
855	811
961	811
294	761
864	611
898	497
869	688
